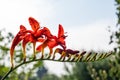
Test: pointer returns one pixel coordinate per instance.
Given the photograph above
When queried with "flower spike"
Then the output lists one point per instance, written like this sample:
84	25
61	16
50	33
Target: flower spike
47	39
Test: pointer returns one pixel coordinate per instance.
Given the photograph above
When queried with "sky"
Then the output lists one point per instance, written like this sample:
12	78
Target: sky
85	21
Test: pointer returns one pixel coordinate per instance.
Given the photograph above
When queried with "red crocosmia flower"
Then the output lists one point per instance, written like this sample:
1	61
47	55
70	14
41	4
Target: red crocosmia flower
27	36
61	37
37	34
53	41
33	36
48	38
60	40
20	35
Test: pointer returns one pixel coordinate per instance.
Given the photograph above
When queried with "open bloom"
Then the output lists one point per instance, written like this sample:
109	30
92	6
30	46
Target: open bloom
53	41
33	36
26	36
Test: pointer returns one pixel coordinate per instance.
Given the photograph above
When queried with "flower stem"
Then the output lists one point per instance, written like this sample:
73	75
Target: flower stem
59	60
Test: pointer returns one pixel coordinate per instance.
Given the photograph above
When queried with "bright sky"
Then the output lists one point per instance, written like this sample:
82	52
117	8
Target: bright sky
85	21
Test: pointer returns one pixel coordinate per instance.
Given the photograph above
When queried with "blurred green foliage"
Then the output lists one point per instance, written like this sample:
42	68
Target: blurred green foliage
5	40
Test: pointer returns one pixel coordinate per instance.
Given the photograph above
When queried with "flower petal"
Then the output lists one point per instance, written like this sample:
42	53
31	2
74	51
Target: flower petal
40	39
20	35
47	32
39	48
34	24
52	43
16	40
60	31
26	39
22	28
